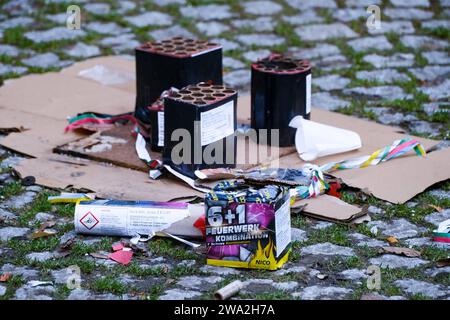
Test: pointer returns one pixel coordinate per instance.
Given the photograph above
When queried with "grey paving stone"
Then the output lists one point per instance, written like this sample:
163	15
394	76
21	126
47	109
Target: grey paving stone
304	17
121	43
46	60
43	217
126	6
430	73
399	228
232	63
379	43
426	242
63	275
319	32
375	210
198	283
298	235
289	270
97	8
396	60
424	127
164	3
8	50
238	78
440	194
227	45
331	82
25	272
16	22
349	14
8	233
365	241
220	271
28	292
321	225
423	42
392	261
263	40
436	57
150	18
331	63
256	55
326	101
54	34
361	3
18	7
394	118
353	274
208	12
41	256
259	24
11	161
437	271
412	287
171	32
261	8
436	218
435	107
265	285
444	3
19	201
322	293
80	294
410	3
82	50
408	13
6	69
381	92
306	4
106	28
212	28
2	290
437	92
6	215
327	249
187	263
433	24
382	75
179	294
320	50
397	27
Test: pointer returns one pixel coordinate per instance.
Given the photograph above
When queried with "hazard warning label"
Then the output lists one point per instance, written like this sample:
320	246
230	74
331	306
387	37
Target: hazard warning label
89	221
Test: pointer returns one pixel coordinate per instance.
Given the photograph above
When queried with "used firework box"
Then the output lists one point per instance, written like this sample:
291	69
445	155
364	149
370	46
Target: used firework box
127	218
246	227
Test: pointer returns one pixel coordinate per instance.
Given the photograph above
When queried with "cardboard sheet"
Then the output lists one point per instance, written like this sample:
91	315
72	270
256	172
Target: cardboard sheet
333	209
54	96
110	182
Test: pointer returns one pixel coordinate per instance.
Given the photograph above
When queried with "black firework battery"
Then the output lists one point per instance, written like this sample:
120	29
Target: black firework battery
199	128
175	62
280	90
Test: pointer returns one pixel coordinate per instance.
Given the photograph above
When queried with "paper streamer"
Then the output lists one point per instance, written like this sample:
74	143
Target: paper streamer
96	119
318	184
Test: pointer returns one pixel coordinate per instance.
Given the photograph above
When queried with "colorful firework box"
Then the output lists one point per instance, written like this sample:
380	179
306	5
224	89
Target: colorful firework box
247	227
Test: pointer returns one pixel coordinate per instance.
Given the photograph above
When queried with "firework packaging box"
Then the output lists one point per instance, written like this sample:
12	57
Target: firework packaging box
246	227
127	218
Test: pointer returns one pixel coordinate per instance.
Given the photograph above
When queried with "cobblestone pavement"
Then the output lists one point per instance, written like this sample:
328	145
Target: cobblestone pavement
396	75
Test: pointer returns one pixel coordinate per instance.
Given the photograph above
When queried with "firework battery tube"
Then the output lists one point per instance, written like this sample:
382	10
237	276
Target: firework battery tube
206	113
229	290
176	62
280	90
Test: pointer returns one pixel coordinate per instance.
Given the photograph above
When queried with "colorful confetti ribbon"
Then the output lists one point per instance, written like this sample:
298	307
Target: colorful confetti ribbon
318	184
